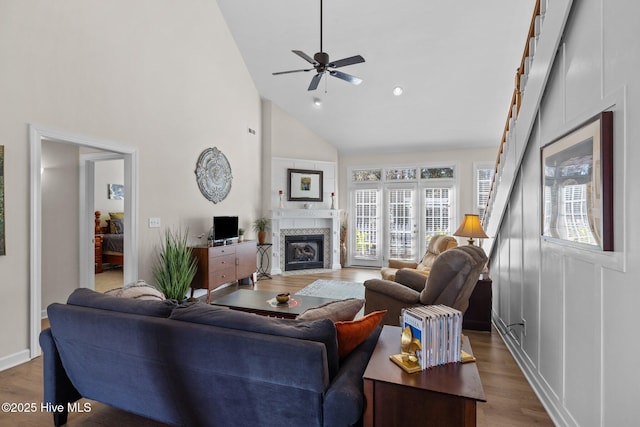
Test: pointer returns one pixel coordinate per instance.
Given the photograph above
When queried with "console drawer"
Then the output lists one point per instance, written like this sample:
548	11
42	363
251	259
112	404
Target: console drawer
219	276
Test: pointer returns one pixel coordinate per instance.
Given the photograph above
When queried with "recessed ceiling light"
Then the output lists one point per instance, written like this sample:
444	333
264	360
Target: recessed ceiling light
397	91
317	102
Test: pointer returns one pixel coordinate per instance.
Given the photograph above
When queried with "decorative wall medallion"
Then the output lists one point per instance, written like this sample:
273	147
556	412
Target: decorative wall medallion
213	174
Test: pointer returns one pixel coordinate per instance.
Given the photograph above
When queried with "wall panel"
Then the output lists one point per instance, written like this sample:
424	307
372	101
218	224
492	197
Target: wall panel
515	259
583	335
552	108
531	245
580	302
503	273
582	56
551	318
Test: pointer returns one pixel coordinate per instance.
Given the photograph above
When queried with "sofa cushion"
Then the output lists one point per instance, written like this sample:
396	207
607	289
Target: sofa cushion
352	333
336	310
323	331
89	298
139	290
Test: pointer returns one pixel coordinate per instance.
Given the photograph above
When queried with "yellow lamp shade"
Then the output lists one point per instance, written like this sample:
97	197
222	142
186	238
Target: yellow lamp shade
471	227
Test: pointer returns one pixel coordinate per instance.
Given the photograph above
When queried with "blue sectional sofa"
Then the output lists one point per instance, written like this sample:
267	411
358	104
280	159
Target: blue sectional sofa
200	365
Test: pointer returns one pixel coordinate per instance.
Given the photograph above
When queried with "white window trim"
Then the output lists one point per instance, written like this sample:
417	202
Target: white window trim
476	167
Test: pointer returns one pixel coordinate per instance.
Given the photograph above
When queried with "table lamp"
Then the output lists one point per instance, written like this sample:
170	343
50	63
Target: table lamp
471	227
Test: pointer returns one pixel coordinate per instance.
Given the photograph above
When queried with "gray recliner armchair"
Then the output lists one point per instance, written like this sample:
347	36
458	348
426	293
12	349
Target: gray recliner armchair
437	245
451	281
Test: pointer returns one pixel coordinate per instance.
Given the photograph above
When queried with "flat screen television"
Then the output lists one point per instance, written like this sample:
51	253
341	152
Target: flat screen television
225	228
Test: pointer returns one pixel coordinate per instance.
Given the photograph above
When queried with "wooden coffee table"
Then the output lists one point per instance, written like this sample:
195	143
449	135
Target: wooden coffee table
259	302
440	396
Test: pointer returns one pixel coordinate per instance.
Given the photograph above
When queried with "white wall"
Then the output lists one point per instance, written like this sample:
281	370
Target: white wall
161	76
288	144
292	140
579	305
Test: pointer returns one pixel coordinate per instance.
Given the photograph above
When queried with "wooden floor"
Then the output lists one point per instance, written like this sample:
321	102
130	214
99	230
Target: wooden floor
510	400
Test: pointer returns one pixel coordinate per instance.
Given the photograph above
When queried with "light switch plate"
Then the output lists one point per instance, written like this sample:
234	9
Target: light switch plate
154	222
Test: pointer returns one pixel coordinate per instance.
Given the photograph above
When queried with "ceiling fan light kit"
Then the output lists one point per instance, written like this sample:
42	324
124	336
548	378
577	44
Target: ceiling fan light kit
322	64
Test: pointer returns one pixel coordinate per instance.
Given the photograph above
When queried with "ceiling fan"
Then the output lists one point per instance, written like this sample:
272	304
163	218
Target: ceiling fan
321	64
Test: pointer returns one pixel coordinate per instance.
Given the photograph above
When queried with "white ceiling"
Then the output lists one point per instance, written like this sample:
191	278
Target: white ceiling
455	60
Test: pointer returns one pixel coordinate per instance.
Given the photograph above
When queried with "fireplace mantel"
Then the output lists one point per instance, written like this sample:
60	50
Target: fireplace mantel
288	219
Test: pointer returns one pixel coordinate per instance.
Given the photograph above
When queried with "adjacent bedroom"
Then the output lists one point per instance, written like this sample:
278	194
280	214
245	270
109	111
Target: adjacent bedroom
109	224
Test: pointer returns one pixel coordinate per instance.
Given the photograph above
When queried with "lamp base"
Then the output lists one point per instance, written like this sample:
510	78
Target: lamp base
471	241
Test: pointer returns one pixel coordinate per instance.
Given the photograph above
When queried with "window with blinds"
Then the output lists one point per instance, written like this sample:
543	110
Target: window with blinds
437	208
484	176
366	223
397	209
401	224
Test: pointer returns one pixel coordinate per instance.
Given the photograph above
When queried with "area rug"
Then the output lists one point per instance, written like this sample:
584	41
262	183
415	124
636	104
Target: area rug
334	289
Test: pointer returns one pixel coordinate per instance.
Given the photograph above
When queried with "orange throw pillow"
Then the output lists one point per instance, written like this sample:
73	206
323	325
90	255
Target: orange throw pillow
351	333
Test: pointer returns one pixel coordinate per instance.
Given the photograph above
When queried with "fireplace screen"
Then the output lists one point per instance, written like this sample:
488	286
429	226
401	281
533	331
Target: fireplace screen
304	252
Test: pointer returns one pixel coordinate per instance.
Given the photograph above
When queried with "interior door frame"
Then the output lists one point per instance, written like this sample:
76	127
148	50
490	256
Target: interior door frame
130	156
87	212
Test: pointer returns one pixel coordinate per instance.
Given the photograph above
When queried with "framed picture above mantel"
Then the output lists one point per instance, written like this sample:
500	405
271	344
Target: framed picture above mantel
304	185
577	185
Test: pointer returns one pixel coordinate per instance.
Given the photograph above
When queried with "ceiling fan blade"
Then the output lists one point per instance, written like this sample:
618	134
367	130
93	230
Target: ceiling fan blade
346	61
346	77
315	81
292	71
304	56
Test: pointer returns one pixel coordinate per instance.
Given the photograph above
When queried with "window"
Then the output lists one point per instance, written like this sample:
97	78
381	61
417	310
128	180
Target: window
366	223
437	212
401	223
397	209
366	175
483	180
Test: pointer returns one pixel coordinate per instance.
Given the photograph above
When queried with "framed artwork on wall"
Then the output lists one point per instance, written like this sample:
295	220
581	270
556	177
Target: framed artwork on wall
577	185
304	185
116	191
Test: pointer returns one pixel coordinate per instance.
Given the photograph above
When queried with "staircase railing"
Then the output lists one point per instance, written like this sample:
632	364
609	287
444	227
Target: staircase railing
516	99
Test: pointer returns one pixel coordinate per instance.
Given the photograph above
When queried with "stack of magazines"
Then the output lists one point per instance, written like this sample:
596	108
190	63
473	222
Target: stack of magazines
439	331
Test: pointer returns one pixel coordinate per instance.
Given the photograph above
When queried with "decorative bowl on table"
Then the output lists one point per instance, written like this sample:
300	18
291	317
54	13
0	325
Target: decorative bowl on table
282	298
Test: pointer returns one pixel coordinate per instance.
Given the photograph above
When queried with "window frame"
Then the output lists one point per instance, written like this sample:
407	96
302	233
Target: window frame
384	184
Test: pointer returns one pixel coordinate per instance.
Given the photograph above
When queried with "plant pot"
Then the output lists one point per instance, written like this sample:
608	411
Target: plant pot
262	235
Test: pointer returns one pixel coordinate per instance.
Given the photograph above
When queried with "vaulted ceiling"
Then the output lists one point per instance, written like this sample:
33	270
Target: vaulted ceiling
455	61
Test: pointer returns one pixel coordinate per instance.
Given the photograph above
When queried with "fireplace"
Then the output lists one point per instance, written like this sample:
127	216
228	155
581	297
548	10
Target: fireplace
304	252
305	222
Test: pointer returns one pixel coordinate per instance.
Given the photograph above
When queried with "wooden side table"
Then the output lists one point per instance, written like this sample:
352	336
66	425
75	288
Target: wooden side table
440	396
478	314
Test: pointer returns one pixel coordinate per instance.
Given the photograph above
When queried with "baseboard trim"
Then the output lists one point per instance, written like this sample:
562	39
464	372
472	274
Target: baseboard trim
15	359
556	413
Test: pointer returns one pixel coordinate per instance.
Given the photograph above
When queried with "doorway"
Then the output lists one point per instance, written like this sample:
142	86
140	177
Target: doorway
86	217
104	173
